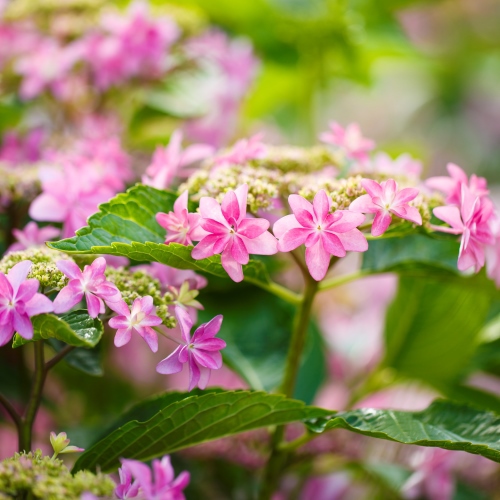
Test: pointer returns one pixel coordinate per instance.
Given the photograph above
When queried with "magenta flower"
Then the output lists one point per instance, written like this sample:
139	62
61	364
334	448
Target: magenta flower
384	200
323	233
169	162
349	139
471	220
452	186
19	301
201	351
140	319
182	227
16	150
243	151
90	283
126	488
164	486
231	233
32	236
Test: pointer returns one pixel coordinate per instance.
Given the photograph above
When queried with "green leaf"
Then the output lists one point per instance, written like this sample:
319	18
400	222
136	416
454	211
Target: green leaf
193	420
443	424
127	226
85	360
432	327
76	328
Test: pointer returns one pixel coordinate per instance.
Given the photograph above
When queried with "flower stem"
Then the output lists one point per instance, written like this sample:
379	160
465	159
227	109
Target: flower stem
11	411
346	278
279	458
278	290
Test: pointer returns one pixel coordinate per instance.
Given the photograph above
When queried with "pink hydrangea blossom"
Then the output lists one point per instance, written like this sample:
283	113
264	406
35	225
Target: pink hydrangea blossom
382	163
349	139
19	301
32	236
323	233
16	150
182	227
139	319
231	233
471	220
385	200
170	162
201	351
90	283
163	485
452	186
126	488
170	276
493	252
243	151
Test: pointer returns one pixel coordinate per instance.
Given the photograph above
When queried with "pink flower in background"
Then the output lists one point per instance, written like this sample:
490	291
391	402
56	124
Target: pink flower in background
231	233
68	197
19	301
163	485
90	283
323	233
452	186
384	200
126	488
472	221
170	276
169	162
349	139
32	236
139	319
201	351
493	252
403	165
16	149
243	151
182	227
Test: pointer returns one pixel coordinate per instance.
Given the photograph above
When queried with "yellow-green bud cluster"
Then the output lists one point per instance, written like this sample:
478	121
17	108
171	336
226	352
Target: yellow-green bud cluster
19	184
31	475
134	284
44	267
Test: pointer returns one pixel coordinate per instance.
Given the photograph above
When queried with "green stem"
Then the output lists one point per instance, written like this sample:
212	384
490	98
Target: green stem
11	411
279	458
278	290
341	280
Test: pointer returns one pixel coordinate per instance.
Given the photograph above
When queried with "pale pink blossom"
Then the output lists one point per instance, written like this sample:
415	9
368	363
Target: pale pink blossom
493	252
60	444
169	162
126	488
323	233
201	351
182	227
452	186
350	140
385	200
243	151
382	163
171	276
16	150
32	236
162	484
91	284
471	220
19	301
140	318
231	233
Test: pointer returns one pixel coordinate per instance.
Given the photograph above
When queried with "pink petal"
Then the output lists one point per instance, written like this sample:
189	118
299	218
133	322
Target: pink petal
210	209
149	335
212	344
97	268
293	239
450	215
321	205
241	194
38	304
230	207
210	329
348	221
202	382
299	204
119	322
195	153
145	304
239	251
181	203
390	188
69	269
284	224
18	274
142	475
332	244
194	373
232	268
212	360
94	305
151	320
214	227
5	287
410	213
122	336
381	222
405	195
373	188
170	364
27	289
457	173
443	184
469	205
251	228
265	244
47	207
317	260
353	241
185	323
205	248
120	307
67	298
22	325
6	333
364	204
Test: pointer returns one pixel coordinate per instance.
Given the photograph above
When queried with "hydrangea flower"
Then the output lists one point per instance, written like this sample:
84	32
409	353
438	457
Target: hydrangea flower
493	252
384	200
323	233
231	233
90	283
182	227
16	150
243	151
201	351
32	236
19	301
126	488
403	165
60	444
162	484
349	139
139	319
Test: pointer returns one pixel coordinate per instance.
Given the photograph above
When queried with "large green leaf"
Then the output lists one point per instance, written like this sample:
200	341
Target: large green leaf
76	328
85	360
432	327
126	226
193	420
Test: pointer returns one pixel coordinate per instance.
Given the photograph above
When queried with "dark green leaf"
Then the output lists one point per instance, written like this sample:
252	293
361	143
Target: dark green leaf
76	328
86	360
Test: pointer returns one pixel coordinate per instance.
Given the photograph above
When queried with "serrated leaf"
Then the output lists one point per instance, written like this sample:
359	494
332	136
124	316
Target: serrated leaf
193	420
76	328
443	424
126	226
